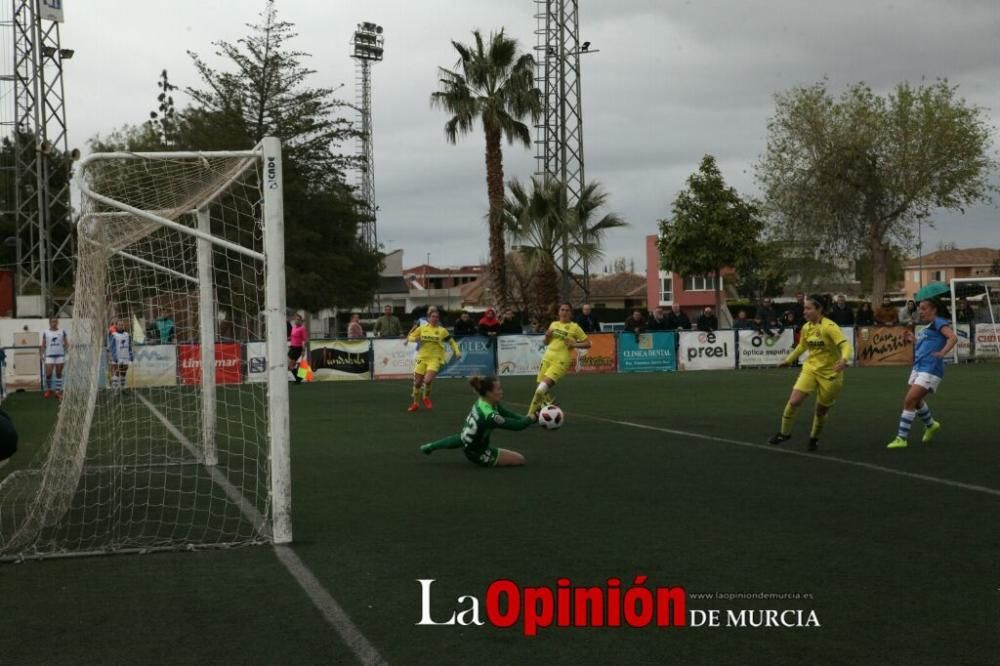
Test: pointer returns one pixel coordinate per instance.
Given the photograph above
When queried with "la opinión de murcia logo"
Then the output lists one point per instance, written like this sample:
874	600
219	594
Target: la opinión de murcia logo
508	604
637	605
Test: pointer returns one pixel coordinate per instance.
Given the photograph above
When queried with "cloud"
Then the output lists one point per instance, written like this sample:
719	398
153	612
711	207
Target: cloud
672	81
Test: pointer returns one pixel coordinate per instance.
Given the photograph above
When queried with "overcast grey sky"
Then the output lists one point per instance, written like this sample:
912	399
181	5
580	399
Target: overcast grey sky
674	80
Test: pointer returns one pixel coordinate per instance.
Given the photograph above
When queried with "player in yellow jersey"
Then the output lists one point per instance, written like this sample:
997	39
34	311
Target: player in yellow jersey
561	340
430	357
822	373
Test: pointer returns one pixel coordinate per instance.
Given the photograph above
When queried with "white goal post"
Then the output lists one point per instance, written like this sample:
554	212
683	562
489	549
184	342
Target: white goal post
986	330
181	441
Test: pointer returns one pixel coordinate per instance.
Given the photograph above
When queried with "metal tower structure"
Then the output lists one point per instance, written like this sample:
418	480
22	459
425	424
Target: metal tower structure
560	132
39	198
367	48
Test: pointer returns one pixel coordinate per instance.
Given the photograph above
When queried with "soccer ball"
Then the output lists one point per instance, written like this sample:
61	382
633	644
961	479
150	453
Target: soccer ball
550	417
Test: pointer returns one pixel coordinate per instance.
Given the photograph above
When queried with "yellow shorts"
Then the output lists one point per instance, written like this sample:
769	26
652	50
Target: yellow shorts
827	390
425	365
554	369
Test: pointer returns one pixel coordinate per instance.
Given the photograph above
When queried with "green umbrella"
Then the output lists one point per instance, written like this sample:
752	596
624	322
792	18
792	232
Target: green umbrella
932	290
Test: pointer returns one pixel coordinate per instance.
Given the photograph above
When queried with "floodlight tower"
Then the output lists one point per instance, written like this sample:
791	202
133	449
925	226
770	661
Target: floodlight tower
39	199
367	47
560	132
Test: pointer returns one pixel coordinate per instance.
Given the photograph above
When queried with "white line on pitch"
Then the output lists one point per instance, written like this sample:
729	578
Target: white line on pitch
812	456
332	611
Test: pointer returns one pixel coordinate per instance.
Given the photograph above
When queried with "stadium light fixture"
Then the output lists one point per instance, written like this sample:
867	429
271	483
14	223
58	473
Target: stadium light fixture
66	54
368	41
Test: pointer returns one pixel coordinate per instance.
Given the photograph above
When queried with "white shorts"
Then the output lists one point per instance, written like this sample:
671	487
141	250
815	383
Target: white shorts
55	360
925	379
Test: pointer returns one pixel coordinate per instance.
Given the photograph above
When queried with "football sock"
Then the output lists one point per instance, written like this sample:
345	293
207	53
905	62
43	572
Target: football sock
925	414
427	390
452	442
416	392
58	381
539	398
818	423
787	418
905	421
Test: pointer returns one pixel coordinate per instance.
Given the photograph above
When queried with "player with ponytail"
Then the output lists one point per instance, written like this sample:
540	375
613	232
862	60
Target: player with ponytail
487	414
933	344
562	339
822	373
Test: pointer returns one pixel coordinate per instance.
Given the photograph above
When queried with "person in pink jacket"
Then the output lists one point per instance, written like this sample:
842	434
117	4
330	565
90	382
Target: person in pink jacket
297	339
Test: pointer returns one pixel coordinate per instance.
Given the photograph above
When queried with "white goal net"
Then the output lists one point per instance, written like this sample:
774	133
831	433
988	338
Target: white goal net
975	306
173	427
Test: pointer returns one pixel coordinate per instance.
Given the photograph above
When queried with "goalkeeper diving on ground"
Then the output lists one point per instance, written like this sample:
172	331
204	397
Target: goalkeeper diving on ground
486	415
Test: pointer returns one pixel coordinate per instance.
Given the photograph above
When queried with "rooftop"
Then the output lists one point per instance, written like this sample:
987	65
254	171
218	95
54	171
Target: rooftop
973	256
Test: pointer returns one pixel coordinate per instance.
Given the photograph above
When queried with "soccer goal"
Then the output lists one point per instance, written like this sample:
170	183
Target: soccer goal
181	256
983	293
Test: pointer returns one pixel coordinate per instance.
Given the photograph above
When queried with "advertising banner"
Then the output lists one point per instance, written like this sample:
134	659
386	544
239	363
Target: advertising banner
760	351
154	365
392	359
987	341
227	363
883	345
707	351
336	360
256	362
477	358
519	354
647	352
601	357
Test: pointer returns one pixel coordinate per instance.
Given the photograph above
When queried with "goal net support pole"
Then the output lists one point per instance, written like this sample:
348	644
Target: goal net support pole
206	323
277	370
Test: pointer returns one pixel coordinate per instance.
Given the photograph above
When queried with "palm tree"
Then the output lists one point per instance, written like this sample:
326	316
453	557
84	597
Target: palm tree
495	83
539	220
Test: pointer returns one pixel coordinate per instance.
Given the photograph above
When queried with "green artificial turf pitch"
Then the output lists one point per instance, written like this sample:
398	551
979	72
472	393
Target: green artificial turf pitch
900	569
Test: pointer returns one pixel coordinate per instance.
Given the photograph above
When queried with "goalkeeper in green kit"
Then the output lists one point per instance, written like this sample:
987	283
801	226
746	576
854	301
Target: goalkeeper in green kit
486	416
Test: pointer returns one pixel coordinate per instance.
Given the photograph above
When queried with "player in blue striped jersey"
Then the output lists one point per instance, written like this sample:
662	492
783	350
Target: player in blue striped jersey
933	344
119	353
55	344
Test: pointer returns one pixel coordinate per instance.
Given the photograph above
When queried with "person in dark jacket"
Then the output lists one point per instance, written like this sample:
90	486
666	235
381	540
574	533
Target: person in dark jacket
768	315
489	325
708	322
841	313
965	314
798	309
742	321
636	323
509	325
587	320
865	316
465	325
8	436
677	318
658	322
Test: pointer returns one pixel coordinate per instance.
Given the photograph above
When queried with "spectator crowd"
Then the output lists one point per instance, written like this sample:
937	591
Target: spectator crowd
767	318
